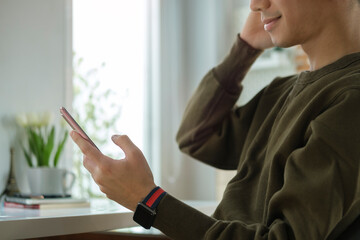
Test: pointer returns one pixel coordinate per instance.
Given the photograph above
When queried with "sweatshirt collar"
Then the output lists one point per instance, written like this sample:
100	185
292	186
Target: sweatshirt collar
306	77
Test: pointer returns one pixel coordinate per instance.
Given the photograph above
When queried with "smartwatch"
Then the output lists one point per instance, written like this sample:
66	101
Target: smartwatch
145	212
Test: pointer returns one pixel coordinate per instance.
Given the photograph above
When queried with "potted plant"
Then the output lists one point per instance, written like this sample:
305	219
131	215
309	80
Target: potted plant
42	151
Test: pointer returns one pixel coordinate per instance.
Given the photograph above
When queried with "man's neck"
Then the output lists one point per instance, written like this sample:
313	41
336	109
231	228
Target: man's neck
326	54
335	42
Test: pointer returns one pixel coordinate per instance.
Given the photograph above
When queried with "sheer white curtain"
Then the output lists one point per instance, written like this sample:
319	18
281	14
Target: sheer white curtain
190	37
194	37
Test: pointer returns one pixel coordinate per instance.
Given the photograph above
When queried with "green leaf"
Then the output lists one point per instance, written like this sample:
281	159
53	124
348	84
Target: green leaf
48	147
36	146
107	93
60	148
27	156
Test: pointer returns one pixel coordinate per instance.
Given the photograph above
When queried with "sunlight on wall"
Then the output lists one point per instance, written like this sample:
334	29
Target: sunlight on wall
114	33
110	52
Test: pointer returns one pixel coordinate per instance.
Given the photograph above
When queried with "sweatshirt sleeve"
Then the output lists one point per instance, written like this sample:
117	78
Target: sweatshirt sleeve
180	221
210	118
320	196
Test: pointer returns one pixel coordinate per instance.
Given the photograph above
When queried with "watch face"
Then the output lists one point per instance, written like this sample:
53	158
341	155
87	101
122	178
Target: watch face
144	216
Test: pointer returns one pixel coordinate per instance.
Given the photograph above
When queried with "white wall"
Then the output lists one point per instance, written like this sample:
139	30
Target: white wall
35	65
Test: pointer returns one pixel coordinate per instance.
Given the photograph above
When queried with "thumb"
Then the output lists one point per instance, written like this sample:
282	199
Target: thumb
124	142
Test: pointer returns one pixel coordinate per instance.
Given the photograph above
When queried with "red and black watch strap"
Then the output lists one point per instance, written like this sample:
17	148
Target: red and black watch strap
154	197
145	212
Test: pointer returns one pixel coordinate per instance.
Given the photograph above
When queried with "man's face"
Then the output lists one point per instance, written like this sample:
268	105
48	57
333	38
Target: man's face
292	22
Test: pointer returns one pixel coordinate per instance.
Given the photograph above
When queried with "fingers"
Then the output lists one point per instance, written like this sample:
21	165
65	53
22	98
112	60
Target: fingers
124	143
254	34
86	148
89	164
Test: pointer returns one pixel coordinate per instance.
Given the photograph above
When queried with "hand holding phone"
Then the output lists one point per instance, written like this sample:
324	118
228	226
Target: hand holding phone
75	126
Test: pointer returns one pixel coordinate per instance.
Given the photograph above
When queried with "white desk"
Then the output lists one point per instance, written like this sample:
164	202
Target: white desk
103	215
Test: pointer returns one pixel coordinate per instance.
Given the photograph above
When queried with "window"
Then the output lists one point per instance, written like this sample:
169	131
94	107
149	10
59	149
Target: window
137	64
110	69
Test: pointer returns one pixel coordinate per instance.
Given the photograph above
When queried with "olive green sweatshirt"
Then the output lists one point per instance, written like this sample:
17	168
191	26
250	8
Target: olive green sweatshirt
295	146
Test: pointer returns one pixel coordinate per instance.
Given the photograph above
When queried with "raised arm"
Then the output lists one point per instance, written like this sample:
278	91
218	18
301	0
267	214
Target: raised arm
210	121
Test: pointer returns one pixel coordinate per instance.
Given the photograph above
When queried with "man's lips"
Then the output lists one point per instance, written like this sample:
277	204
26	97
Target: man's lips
269	22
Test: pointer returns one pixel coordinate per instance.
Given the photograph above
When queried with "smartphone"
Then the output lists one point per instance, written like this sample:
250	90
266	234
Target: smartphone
75	126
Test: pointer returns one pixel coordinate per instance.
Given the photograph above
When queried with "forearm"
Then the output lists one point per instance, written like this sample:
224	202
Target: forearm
210	108
180	221
233	69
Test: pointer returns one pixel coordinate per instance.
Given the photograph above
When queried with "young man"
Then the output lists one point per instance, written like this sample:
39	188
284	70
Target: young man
295	145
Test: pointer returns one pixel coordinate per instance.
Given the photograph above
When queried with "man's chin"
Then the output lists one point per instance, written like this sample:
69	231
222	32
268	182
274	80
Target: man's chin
282	44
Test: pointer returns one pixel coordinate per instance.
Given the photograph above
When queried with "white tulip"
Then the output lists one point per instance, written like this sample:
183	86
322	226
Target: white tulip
46	118
33	119
22	119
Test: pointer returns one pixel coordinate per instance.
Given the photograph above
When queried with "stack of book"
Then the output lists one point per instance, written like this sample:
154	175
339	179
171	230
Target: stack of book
41	202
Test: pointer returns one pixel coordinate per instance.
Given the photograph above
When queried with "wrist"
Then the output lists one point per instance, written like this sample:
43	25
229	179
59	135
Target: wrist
145	212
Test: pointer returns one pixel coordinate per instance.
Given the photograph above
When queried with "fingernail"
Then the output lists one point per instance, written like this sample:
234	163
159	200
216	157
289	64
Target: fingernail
114	137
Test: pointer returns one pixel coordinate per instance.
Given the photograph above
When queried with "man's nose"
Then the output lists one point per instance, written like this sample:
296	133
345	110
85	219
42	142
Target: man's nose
259	5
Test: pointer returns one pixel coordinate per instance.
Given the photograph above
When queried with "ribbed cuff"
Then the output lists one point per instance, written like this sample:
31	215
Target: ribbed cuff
180	221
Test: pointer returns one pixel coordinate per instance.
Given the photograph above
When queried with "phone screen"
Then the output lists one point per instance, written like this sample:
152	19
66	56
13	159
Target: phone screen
74	125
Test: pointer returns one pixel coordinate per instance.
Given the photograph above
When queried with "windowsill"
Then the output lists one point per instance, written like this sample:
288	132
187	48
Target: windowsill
103	215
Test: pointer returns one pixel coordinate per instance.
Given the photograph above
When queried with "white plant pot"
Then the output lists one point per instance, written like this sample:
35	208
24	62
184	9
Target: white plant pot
50	181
